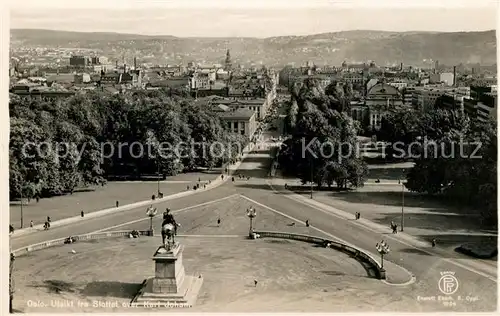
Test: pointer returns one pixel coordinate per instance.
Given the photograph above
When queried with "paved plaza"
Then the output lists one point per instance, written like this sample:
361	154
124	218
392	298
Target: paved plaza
292	276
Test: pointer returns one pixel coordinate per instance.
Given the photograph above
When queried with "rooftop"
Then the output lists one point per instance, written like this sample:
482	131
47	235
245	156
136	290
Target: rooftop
240	114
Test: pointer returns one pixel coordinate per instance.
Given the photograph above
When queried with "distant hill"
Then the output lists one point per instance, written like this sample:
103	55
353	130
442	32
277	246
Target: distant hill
328	48
40	36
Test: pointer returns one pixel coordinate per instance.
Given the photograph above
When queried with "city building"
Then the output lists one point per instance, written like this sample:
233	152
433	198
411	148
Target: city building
482	104
360	112
353	77
202	79
407	94
398	84
447	78
425	98
79	61
380	98
260	106
82	78
241	121
487	107
27	90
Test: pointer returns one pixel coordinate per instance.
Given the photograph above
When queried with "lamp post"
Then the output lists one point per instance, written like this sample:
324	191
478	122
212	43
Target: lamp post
158	171
382	249
11	281
402	204
22	215
251	214
151	212
311	178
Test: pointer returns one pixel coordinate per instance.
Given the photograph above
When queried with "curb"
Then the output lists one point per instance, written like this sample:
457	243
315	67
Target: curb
66	221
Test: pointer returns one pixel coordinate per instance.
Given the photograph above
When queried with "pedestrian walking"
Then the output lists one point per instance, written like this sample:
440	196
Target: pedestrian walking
218	221
255	283
31	224
48	219
82	213
307	223
187	188
433	243
395	228
117	203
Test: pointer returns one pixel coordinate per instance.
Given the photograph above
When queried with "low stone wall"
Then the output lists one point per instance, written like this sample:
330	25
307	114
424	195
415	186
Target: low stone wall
84	237
357	253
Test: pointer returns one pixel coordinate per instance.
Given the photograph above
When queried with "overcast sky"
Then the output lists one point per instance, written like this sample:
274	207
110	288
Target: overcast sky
261	19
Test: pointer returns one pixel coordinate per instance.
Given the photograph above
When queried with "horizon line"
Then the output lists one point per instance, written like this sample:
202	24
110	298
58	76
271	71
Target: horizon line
254	37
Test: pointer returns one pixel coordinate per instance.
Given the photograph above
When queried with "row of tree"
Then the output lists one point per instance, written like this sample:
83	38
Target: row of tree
322	134
456	156
57	146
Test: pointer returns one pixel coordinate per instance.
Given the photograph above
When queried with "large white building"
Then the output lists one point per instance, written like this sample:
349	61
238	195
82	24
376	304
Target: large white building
447	78
425	98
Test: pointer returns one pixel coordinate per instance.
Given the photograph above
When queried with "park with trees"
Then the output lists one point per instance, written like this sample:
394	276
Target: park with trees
74	142
459	164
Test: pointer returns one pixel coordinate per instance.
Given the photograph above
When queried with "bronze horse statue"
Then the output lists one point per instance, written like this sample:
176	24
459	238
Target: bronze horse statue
168	232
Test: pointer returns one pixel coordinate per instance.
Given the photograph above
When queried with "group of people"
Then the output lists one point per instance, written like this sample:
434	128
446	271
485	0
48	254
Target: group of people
46	225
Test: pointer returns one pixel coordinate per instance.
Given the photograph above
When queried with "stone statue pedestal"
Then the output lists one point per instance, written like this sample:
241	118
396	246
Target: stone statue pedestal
169	271
170	287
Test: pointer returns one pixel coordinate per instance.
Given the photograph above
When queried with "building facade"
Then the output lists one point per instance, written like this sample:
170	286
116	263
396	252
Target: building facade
240	121
379	99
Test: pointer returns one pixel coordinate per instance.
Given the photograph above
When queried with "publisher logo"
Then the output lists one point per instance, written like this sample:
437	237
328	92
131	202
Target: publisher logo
448	284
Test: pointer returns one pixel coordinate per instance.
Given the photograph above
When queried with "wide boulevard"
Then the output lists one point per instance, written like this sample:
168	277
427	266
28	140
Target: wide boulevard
474	283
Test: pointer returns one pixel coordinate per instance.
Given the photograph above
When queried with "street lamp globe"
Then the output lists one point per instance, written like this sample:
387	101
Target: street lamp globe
151	212
382	249
251	212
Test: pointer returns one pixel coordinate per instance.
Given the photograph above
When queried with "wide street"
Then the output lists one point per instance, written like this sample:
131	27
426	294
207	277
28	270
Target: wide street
477	284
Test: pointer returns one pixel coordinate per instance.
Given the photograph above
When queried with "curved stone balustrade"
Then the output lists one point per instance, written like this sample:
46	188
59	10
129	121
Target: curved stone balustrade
84	237
356	253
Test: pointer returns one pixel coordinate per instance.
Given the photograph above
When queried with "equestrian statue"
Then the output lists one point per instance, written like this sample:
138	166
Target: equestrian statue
168	229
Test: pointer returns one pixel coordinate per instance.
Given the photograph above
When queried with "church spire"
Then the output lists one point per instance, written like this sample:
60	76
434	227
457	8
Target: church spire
227	63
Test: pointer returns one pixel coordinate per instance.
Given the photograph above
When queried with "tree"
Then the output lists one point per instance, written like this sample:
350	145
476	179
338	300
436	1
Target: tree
323	140
57	146
463	169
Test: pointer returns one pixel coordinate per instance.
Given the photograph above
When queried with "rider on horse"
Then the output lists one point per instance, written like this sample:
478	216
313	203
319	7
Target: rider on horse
168	218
